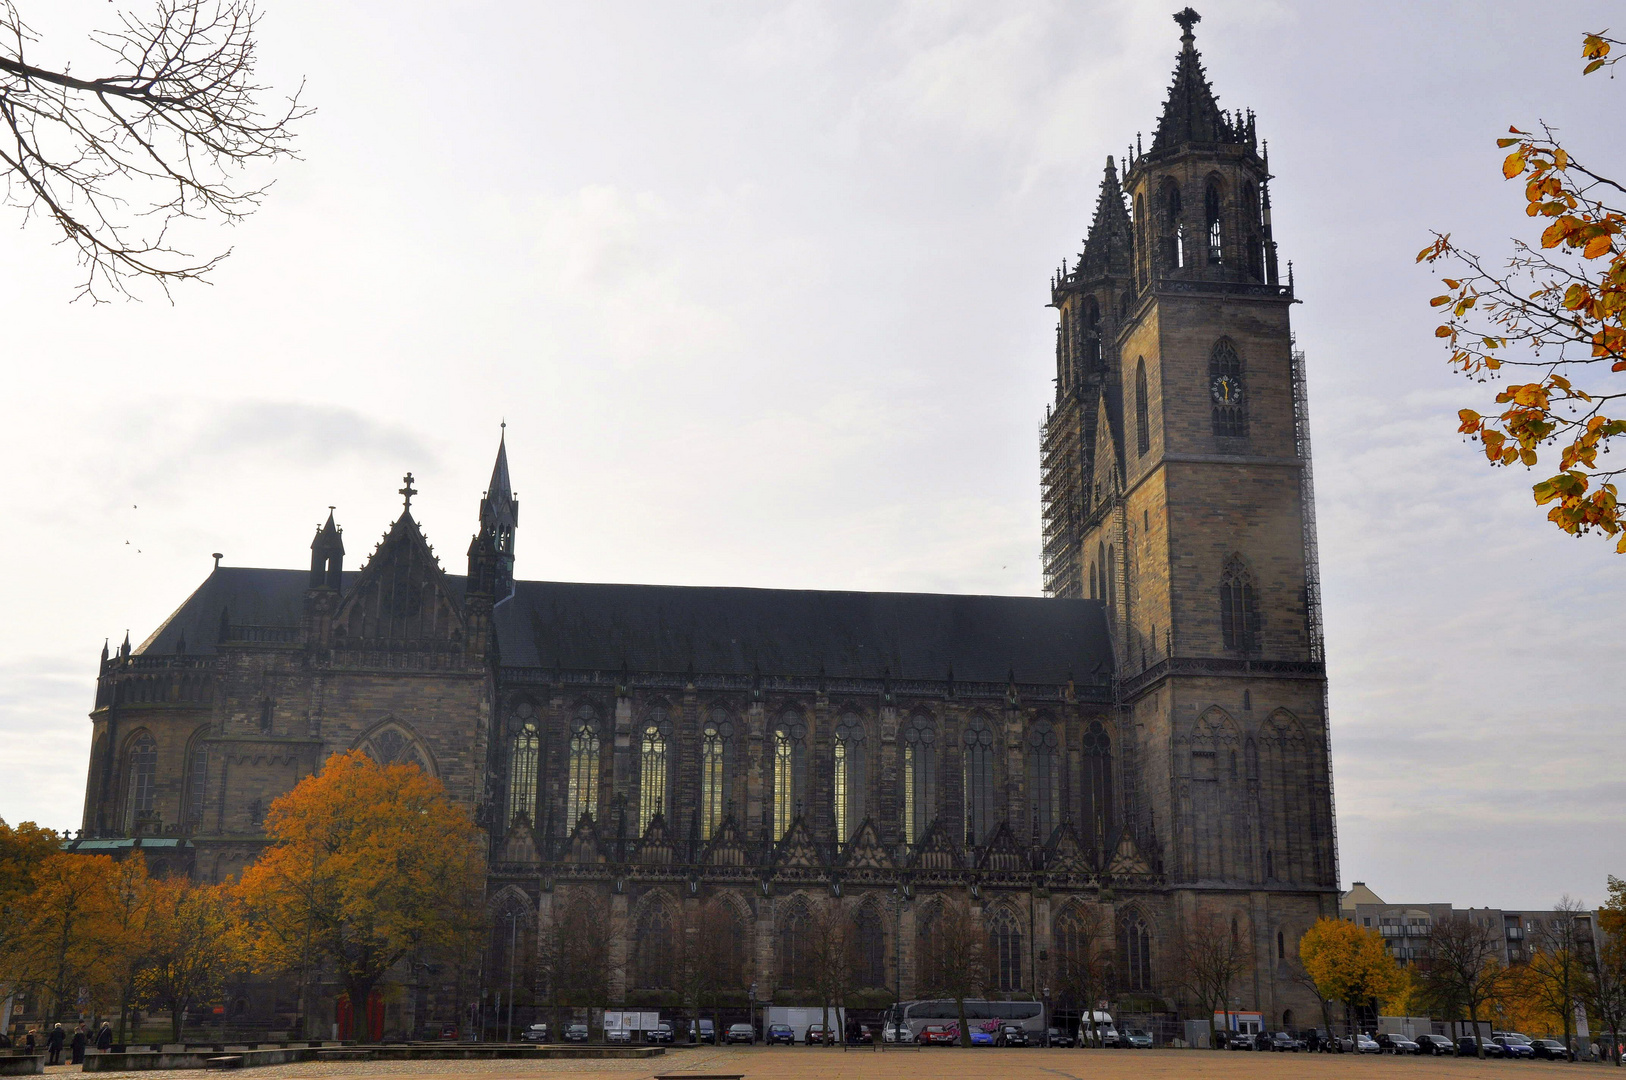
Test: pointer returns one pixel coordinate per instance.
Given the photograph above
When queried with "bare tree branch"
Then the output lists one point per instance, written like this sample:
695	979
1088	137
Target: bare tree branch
167	134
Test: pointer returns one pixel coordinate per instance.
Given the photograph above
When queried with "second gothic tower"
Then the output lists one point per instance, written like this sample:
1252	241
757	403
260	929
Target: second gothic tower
1174	489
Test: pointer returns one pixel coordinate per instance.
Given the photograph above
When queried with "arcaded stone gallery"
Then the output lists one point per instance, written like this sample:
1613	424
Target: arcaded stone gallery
1146	743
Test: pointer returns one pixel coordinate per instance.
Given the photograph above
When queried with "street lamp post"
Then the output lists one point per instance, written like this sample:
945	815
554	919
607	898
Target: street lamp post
513	948
1046	1017
751	1010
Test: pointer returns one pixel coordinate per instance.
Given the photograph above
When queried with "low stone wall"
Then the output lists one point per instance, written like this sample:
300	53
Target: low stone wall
145	1060
141	1061
22	1064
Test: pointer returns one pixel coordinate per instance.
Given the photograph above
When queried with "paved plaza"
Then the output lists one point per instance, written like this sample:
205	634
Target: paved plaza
800	1063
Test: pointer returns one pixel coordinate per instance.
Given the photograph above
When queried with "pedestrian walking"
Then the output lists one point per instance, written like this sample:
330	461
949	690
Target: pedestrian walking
80	1039
104	1037
53	1043
28	1040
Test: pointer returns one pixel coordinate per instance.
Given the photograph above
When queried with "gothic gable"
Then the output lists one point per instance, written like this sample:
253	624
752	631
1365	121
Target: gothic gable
796	850
1107	460
937	849
1127	861
1003	853
401	599
865	851
583	847
656	846
1065	854
519	846
726	848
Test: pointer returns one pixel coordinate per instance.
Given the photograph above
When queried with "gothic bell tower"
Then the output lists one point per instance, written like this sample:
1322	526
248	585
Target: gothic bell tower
1176	494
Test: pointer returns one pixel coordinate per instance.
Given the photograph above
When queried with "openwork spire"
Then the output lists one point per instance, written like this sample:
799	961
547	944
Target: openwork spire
1191	115
1107	247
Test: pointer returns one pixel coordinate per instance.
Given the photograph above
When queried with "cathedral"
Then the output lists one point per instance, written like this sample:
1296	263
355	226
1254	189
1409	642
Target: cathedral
1147	741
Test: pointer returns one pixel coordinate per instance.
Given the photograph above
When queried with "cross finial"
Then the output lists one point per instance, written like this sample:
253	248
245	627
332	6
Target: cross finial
1187	19
408	491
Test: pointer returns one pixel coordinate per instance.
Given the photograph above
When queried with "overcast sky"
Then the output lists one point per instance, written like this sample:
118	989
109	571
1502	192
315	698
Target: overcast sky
761	290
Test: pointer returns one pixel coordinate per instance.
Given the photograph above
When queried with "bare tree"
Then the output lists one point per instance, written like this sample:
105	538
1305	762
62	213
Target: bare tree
1558	965
833	940
1606	993
1463	969
115	159
576	961
716	961
1211	958
1083	959
953	957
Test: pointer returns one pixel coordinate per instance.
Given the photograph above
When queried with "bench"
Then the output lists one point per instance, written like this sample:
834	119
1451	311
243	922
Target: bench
224	1061
344	1055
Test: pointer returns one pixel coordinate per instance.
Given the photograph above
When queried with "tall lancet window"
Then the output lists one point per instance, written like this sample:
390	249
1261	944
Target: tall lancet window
919	777
1143	421
1211	214
979	779
848	793
1175	242
582	794
1092	334
654	769
524	750
1044	777
716	744
143	776
789	770
1239	608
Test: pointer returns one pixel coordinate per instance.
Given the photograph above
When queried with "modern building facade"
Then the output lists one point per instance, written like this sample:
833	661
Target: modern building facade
1147	741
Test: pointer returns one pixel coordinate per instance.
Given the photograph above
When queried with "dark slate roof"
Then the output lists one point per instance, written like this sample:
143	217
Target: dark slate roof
731	631
721	631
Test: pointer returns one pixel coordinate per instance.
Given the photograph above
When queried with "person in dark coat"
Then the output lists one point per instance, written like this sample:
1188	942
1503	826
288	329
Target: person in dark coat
28	1040
80	1039
53	1043
104	1037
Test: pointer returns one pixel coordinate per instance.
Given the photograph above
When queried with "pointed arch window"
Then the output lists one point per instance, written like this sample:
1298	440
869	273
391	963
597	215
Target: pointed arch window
869	952
1175	242
1135	952
979	779
654	769
1228	391
142	770
849	775
1092	334
789	770
1005	943
1093	593
197	782
716	755
653	953
1250	217
524	755
1110	567
1097	783
795	952
1211	215
1239	608
919	777
1143	424
1044	777
582	791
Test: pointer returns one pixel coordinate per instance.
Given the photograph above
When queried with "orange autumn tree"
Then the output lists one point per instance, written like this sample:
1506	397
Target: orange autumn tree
1554	312
369	865
73	931
188	944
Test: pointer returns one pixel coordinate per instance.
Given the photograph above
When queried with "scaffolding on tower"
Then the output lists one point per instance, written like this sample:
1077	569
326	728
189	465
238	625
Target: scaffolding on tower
1058	451
1312	571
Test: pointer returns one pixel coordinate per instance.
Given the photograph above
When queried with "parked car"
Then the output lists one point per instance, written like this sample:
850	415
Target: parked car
1011	1035
740	1033
897	1033
1513	1048
576	1033
1138	1038
783	1034
447	1031
618	1035
1435	1044
1398	1044
816	1033
1283	1042
938	1035
1468	1046
1238	1040
980	1037
660	1033
860	1035
702	1031
1366	1044
1058	1037
1550	1049
537	1033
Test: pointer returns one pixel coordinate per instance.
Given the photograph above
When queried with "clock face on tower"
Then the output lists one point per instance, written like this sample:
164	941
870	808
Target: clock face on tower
1227	390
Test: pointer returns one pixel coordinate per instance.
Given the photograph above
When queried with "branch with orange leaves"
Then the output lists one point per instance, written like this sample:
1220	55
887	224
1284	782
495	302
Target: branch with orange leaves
1559	308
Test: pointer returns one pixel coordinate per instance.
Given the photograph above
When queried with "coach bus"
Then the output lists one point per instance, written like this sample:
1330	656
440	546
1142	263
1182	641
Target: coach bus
983	1015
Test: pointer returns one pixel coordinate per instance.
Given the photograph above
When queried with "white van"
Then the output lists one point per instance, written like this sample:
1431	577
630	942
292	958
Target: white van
1105	1033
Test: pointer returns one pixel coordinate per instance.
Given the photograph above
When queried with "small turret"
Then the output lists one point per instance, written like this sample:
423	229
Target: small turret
327	556
499	518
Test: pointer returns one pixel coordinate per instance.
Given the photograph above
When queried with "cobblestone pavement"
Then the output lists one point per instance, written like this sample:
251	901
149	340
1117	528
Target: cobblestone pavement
800	1063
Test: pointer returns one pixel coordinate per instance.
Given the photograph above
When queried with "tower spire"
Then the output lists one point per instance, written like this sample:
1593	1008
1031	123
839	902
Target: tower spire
1190	114
1107	247
499	518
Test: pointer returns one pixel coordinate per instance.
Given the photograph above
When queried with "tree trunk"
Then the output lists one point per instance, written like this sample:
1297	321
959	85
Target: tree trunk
965	1030
1473	1021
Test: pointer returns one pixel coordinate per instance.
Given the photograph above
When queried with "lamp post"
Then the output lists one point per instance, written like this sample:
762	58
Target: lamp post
513	948
751	1011
1046	1017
